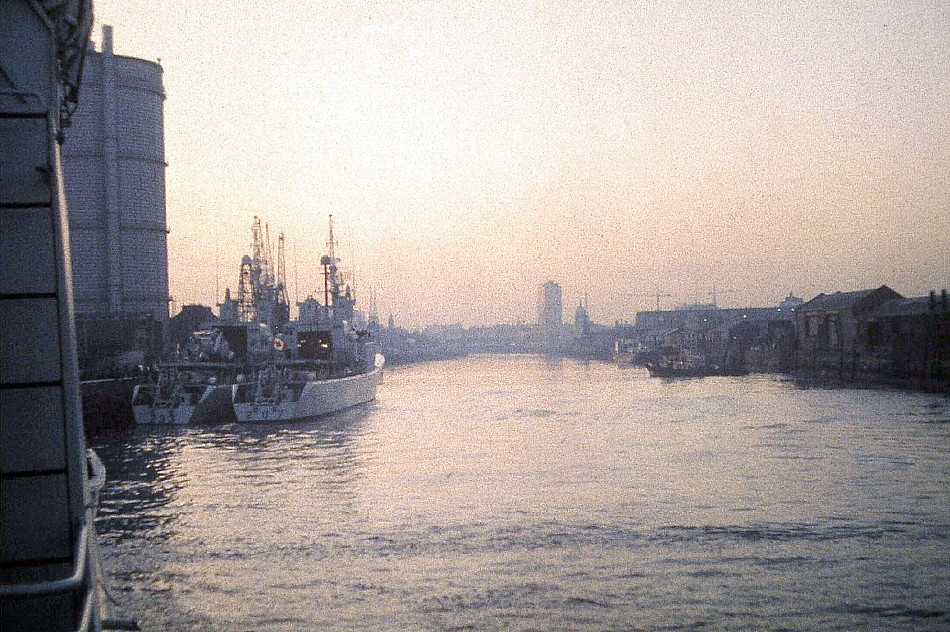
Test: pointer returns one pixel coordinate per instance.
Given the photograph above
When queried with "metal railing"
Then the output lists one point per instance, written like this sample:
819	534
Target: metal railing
81	577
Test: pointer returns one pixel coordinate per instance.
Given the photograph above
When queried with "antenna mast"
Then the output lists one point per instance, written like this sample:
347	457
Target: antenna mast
330	243
296	276
373	309
282	271
657	295
334	277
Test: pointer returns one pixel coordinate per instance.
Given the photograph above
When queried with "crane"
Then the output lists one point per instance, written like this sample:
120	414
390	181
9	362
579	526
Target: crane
716	292
658	295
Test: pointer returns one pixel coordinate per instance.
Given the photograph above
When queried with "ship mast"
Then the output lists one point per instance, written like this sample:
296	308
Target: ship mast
282	299
333	275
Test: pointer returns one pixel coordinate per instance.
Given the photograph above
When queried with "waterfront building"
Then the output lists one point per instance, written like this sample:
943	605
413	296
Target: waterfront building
763	337
827	327
550	311
114	169
907	340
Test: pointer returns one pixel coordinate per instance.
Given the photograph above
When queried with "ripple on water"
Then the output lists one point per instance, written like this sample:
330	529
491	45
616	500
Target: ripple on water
708	504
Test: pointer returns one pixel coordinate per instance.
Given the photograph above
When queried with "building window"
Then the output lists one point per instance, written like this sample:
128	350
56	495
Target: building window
834	332
874	334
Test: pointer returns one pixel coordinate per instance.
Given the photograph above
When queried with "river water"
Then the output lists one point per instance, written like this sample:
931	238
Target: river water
523	493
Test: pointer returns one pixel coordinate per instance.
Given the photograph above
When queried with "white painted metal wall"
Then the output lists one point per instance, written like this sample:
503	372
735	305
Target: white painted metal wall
44	496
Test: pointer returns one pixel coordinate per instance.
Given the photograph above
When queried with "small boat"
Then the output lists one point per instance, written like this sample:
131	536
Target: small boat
683	364
195	388
658	369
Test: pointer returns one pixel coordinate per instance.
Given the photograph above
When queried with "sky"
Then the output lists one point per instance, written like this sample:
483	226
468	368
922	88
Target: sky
469	151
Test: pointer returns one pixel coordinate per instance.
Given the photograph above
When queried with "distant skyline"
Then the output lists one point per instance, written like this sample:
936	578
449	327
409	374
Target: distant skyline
471	151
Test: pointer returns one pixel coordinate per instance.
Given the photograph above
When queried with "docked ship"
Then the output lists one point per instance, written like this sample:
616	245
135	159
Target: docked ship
299	389
175	396
324	362
255	364
195	387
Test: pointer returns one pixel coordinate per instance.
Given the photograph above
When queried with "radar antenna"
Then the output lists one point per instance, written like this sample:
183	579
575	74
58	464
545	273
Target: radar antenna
331	271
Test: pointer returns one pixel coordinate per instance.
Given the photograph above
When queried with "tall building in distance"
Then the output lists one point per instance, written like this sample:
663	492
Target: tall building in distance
114	168
550	312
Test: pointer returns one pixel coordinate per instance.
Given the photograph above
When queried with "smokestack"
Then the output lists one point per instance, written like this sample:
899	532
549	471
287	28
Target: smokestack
943	300
933	301
107	39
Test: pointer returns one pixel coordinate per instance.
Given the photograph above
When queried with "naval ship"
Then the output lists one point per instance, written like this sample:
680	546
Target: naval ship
254	364
323	362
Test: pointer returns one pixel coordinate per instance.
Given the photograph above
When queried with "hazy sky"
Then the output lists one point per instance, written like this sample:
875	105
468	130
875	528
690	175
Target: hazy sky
471	150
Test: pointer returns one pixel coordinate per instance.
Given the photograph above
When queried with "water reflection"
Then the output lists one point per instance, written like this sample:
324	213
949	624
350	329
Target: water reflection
163	476
515	493
143	482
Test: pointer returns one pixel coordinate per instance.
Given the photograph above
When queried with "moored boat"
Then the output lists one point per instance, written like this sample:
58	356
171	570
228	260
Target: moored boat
195	387
683	364
287	393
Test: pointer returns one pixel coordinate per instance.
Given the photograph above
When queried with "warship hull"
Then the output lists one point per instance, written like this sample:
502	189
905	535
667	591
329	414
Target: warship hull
316	398
210	405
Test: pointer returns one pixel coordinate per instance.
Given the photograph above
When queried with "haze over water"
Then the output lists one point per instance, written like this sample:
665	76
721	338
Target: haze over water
471	150
520	493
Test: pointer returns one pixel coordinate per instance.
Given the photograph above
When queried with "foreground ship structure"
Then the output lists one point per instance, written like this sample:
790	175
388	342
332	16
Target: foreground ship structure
50	577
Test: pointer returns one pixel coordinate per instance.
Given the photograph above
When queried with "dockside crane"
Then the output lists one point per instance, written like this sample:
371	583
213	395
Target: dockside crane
657	295
262	288
715	293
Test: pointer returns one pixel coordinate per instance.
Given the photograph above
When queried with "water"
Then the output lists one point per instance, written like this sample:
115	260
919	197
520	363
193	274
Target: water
518	493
